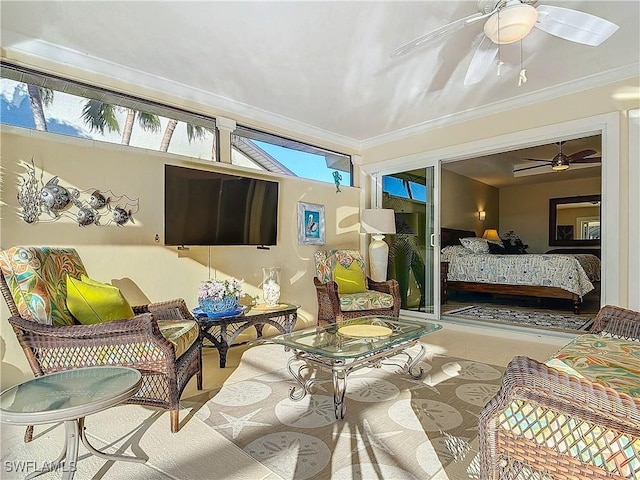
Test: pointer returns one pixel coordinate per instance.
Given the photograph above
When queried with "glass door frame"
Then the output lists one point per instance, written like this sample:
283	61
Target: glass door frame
376	202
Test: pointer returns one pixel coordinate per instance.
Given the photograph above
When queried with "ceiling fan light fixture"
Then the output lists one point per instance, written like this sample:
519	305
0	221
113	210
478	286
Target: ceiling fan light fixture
510	24
559	163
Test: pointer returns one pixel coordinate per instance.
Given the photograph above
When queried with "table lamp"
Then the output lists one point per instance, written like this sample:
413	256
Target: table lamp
378	222
491	234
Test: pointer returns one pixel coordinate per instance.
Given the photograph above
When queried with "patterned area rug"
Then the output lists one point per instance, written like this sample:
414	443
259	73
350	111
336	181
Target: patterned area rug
524	317
395	427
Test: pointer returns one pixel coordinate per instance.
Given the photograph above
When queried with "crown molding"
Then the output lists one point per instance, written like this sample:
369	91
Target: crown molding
597	80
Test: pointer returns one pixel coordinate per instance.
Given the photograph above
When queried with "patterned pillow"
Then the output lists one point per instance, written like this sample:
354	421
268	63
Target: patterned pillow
475	244
451	251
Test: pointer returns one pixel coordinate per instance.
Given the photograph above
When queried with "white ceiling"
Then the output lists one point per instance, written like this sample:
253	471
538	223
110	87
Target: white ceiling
317	68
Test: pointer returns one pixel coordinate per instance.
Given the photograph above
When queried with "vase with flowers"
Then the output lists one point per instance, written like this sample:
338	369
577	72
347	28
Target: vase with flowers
220	297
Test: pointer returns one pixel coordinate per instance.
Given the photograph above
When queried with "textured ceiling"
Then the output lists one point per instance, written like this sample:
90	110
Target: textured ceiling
317	68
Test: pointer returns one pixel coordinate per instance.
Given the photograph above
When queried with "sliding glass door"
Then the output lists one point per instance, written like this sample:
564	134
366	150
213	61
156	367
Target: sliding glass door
413	252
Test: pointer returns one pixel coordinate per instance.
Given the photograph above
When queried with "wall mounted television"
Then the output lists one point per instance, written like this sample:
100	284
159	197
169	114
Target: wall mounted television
209	208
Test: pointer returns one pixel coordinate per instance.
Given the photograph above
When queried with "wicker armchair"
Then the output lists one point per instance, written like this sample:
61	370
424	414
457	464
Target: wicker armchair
545	423
381	298
52	341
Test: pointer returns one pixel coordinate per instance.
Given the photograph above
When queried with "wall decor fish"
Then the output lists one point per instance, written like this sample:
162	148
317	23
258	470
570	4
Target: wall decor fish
122	216
53	196
86	216
98	200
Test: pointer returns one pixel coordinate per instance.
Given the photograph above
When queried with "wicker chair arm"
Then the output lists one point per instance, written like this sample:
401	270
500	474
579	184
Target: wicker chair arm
617	322
529	379
136	341
328	301
550	393
169	310
389	286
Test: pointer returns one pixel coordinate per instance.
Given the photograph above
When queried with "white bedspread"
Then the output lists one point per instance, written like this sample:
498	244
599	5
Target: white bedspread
574	273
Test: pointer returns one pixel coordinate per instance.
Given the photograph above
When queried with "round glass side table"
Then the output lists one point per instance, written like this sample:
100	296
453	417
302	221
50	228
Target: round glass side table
68	397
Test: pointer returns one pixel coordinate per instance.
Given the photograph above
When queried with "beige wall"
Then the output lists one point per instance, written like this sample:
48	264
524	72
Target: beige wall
460	200
129	256
525	209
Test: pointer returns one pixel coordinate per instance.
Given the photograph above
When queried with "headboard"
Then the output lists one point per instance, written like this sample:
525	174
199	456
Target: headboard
451	236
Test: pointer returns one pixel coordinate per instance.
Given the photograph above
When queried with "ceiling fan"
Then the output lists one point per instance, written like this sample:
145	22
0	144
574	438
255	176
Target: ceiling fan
561	161
508	21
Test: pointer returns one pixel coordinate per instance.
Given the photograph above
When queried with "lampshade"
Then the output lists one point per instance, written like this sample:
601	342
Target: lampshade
491	234
378	221
511	24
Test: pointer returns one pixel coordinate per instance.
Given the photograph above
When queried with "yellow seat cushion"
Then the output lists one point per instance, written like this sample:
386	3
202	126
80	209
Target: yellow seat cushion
349	280
181	333
92	302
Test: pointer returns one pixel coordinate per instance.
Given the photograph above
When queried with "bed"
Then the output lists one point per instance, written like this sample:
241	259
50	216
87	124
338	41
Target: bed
569	276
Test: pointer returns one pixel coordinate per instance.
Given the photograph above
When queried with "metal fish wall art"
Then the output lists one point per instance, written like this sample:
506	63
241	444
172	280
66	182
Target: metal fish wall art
85	207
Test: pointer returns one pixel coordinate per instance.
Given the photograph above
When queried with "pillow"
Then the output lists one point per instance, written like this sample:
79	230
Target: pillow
496	248
513	244
475	244
455	251
349	280
92	302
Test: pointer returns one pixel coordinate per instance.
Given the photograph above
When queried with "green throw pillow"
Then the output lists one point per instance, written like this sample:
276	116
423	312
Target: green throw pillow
92	302
349	280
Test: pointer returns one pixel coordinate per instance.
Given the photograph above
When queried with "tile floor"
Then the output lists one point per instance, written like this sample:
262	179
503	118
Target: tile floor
198	452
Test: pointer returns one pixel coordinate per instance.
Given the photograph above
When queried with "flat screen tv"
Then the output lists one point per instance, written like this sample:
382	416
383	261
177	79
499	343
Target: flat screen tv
210	208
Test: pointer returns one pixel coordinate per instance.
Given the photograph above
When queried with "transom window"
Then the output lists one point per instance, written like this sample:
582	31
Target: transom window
265	151
33	100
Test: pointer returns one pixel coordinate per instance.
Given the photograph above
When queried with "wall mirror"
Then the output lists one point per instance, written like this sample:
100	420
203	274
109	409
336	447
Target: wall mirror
574	221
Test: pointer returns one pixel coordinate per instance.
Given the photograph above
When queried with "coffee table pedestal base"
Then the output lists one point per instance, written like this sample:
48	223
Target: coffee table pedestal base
340	369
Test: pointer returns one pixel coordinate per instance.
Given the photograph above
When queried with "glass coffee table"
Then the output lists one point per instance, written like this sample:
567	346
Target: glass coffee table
69	396
350	345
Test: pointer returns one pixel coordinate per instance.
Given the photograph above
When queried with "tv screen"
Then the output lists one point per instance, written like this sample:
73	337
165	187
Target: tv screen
211	208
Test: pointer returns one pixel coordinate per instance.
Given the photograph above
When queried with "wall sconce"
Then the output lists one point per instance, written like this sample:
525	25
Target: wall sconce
482	215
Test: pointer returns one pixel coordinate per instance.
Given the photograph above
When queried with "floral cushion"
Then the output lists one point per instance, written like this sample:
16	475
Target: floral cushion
327	259
611	362
37	280
369	300
182	333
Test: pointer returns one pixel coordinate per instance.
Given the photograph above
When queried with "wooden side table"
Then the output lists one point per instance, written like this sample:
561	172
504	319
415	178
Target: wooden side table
444	270
222	331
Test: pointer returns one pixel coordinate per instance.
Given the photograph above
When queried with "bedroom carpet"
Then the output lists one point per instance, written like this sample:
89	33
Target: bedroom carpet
524	317
395	427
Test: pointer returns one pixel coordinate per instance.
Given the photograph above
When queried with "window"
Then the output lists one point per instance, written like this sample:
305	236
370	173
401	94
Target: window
405	185
264	151
32	100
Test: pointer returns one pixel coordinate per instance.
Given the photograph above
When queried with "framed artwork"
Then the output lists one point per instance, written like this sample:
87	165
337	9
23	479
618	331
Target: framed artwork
310	224
564	232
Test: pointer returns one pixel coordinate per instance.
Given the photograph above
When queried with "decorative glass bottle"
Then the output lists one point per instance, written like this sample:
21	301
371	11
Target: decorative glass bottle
271	285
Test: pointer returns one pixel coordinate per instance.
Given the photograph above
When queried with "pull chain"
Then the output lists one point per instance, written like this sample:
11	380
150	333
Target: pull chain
523	72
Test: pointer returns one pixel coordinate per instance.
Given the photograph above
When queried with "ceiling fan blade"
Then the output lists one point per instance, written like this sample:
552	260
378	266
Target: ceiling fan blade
587	160
527	168
537	160
580	154
439	32
482	61
574	25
